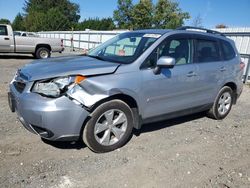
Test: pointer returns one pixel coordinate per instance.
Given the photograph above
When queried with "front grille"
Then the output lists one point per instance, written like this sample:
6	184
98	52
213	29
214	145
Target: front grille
20	86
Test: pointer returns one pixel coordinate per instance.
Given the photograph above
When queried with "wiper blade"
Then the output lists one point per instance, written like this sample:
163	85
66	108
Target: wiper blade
96	57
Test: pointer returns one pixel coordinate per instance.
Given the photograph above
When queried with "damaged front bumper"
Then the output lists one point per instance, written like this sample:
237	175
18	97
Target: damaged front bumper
51	118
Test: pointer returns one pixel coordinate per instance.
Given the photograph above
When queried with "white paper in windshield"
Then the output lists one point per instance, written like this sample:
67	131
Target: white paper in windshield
152	35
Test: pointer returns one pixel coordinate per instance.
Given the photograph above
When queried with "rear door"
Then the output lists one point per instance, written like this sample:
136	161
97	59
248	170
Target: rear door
211	67
5	42
173	89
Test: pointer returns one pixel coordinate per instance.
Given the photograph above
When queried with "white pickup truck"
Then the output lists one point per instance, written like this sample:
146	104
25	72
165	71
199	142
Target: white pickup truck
38	47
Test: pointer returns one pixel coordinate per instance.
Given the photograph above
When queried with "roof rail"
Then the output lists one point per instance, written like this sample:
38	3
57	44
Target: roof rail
201	29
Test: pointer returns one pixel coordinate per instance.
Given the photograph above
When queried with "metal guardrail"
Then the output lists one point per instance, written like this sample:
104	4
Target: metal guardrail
246	74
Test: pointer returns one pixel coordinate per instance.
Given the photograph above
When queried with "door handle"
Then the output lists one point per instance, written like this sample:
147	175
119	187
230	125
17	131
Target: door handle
222	69
191	74
6	38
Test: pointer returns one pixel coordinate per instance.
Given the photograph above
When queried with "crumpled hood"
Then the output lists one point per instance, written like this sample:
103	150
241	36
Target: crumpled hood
64	66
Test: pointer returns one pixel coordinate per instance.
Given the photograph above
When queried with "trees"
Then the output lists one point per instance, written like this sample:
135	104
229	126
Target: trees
50	15
122	16
197	21
165	14
142	15
96	24
4	21
221	26
168	15
18	23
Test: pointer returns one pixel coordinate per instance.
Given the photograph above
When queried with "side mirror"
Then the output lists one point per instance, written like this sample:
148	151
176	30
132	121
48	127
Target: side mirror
164	62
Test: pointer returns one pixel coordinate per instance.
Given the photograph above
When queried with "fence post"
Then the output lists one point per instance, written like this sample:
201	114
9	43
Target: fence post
100	38
88	40
79	41
247	70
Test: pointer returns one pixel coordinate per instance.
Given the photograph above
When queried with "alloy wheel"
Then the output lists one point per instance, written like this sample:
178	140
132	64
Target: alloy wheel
110	127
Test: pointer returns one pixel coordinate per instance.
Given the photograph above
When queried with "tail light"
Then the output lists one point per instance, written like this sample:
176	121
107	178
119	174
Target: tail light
61	42
242	65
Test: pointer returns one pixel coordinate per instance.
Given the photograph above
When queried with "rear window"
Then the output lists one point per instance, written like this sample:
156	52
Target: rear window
228	51
3	30
207	51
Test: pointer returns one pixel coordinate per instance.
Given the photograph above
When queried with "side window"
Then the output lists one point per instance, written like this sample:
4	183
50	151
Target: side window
151	60
228	50
3	30
180	49
148	43
207	51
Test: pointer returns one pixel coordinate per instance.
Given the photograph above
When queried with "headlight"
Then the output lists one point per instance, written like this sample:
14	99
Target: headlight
56	87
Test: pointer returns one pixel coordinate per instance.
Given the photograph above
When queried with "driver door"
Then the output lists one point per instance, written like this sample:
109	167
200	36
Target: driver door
5	42
173	89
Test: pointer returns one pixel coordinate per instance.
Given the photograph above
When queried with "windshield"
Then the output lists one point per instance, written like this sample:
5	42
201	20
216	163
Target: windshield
124	48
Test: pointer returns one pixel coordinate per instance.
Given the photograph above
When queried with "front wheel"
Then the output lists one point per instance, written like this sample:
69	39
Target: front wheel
222	104
109	128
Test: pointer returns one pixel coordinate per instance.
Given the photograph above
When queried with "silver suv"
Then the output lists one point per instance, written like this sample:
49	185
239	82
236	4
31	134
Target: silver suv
135	78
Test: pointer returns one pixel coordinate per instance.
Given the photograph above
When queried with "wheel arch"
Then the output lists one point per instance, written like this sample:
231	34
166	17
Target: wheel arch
130	101
233	86
43	45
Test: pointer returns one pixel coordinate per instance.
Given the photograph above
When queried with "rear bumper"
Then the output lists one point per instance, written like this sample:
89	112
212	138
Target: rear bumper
52	119
239	92
240	86
57	49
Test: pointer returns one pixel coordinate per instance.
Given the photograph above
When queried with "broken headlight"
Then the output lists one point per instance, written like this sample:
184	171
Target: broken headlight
56	87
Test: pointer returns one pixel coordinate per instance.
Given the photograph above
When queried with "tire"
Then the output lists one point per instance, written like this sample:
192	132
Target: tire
109	127
42	53
222	104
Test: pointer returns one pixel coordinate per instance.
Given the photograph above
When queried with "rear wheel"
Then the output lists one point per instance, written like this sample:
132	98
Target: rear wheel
222	104
110	127
42	53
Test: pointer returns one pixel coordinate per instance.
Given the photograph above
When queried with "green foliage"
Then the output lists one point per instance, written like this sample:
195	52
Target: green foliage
18	23
123	14
96	24
165	14
54	15
168	15
4	21
50	15
221	26
142	15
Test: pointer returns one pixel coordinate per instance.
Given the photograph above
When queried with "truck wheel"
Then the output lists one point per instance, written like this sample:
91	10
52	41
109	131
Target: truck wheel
109	128
42	53
222	104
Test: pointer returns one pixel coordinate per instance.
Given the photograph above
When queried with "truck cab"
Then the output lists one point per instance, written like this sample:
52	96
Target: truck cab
38	47
6	39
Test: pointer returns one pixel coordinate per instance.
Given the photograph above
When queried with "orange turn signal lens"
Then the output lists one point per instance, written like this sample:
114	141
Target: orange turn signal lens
79	79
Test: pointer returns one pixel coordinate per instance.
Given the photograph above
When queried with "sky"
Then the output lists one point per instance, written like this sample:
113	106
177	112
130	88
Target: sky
233	13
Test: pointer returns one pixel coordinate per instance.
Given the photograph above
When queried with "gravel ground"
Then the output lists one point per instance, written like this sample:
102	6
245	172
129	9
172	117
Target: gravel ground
192	151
